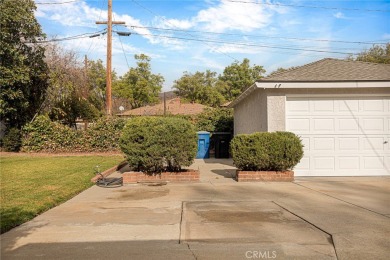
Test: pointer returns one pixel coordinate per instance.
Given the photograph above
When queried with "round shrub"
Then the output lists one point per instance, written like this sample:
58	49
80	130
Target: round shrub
156	144
278	151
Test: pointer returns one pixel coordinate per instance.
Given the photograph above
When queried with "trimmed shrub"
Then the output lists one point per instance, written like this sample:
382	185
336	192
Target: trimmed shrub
104	135
265	151
12	142
156	144
43	135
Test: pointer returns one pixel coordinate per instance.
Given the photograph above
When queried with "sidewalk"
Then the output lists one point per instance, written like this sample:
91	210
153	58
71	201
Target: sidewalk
216	218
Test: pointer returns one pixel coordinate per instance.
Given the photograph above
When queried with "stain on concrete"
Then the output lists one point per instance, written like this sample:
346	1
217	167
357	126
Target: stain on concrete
141	193
242	216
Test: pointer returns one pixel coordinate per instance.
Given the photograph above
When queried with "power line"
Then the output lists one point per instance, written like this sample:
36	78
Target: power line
150	11
74	37
308	6
243	44
55	3
257	36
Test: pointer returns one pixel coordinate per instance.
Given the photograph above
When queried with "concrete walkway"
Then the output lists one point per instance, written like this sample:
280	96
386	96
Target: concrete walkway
217	218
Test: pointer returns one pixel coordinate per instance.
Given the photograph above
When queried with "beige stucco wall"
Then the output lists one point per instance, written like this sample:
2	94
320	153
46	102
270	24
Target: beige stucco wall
251	114
265	109
276	107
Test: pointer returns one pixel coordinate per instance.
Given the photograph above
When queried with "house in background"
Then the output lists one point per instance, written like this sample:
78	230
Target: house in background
339	108
172	107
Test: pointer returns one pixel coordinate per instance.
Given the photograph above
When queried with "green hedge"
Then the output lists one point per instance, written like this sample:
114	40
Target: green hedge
265	151
43	135
156	144
12	142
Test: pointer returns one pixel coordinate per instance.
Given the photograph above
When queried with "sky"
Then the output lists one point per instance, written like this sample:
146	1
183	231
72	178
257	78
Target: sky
200	35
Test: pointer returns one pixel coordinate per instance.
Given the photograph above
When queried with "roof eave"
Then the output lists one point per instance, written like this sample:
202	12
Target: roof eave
244	95
309	85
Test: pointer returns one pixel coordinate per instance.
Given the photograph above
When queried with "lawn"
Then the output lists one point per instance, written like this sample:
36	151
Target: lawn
31	185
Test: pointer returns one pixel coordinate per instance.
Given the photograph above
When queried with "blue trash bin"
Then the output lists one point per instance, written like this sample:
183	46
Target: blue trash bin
203	145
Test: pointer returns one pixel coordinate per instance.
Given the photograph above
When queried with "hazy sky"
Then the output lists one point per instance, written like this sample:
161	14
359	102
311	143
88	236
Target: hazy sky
199	35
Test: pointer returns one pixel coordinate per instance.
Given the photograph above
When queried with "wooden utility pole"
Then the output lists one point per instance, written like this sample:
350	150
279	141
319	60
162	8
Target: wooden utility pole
109	23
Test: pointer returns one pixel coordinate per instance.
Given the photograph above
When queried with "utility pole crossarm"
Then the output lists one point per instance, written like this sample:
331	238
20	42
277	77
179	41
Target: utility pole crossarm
113	22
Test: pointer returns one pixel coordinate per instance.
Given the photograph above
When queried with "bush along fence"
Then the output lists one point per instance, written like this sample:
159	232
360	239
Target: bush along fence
266	156
43	135
157	148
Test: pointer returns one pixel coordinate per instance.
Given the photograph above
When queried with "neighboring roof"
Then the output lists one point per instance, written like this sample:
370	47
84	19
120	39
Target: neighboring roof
174	107
334	70
325	73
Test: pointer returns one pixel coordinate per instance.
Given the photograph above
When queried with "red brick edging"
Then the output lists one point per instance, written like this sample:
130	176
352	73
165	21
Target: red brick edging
251	176
185	176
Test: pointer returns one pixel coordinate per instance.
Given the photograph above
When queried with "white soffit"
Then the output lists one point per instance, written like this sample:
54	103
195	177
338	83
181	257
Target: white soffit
330	84
310	85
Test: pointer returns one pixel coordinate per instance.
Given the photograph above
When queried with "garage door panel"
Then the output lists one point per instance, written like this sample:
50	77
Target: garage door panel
373	105
373	125
323	143
323	106
373	143
349	162
324	162
326	125
348	144
347	125
373	162
348	106
341	136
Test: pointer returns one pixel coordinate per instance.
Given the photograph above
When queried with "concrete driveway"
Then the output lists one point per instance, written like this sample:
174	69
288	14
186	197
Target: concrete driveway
217	218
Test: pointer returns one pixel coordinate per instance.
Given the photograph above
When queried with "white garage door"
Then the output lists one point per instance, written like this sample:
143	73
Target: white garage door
342	136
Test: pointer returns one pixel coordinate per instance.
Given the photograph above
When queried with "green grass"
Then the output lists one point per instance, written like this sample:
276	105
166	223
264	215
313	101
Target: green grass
31	185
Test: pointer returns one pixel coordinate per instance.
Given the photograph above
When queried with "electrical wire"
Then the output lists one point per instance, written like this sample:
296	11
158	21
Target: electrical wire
74	37
256	36
243	44
308	6
55	3
152	12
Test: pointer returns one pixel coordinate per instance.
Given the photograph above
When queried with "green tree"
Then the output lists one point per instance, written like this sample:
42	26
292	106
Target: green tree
96	78
199	87
237	77
68	95
23	72
376	54
280	70
139	85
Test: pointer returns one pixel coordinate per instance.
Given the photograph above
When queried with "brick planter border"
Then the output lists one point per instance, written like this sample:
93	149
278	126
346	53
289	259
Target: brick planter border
252	176
185	176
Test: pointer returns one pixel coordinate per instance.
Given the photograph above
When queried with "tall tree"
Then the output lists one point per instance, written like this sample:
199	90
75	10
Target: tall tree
199	87
237	77
96	78
23	72
139	85
376	54
68	96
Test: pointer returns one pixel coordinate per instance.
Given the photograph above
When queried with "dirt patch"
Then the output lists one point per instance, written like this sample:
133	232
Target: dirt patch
141	194
241	216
